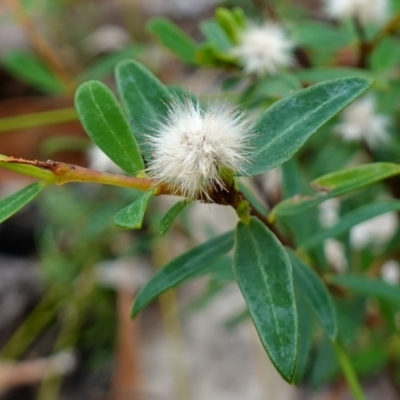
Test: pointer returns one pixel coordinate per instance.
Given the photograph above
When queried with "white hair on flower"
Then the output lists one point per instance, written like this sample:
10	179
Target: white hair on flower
360	122
192	143
264	49
366	11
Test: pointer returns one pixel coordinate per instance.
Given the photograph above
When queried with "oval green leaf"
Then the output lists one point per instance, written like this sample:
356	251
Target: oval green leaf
285	126
173	38
264	274
144	97
170	216
351	219
131	217
336	184
316	293
106	124
10	205
183	268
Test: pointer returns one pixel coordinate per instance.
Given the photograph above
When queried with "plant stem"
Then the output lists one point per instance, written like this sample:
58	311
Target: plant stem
389	29
67	173
363	45
367	47
37	119
348	372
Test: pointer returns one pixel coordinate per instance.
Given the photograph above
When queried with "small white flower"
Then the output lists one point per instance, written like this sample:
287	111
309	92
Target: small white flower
390	272
334	253
329	212
264	49
191	145
361	122
376	231
366	11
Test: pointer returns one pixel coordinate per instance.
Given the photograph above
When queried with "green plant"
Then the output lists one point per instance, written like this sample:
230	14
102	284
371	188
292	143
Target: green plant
170	143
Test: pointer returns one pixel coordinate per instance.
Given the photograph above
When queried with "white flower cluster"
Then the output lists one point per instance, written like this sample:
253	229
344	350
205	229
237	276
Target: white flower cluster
360	122
366	11
192	144
264	49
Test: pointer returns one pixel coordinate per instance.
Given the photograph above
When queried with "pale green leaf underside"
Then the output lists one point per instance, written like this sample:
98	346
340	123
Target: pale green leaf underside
170	215
131	217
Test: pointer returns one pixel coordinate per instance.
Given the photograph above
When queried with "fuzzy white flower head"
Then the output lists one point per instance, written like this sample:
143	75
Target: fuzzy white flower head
366	11
264	49
192	144
361	122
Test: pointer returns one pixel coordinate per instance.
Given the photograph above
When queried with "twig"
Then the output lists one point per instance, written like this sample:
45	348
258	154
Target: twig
363	45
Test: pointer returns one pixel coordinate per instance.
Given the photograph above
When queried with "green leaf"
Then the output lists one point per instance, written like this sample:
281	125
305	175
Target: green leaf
182	268
227	20
316	294
173	38
355	178
288	123
144	97
10	205
30	69
216	35
336	184
369	287
131	217
105	123
170	216
349	220
263	272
